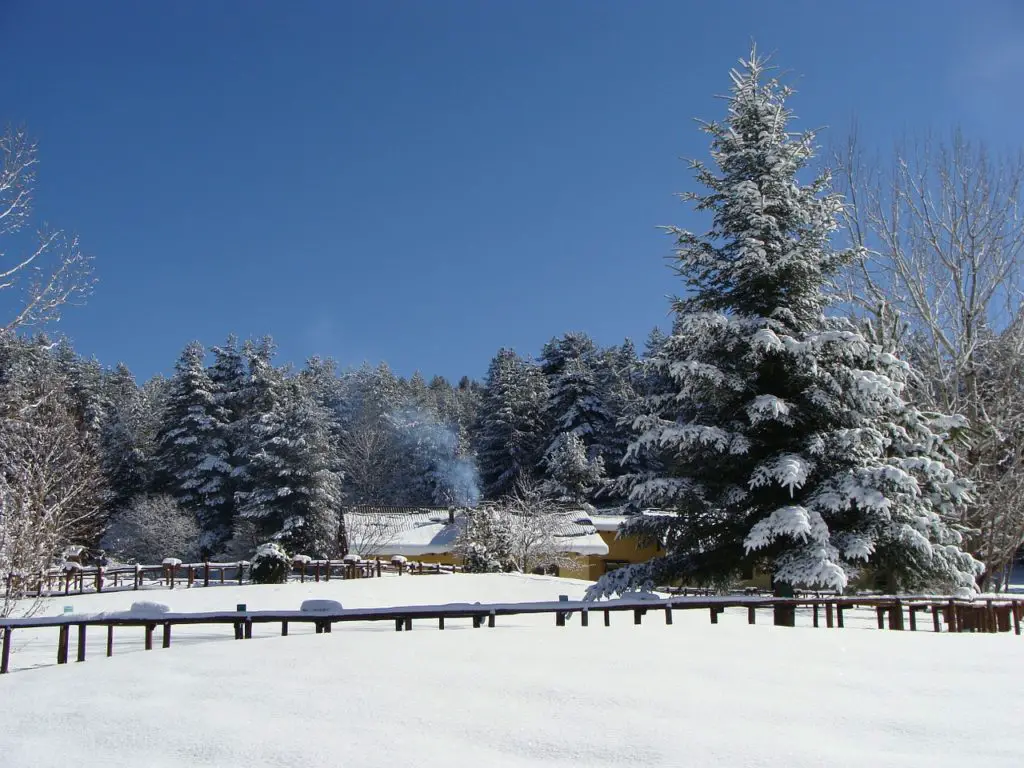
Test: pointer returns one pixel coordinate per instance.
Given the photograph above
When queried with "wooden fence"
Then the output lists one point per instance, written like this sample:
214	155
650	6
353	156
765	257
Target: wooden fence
989	615
57	581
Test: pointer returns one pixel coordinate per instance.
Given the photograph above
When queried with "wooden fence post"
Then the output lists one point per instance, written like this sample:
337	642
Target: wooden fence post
149	636
815	611
241	571
399	623
490	619
110	640
62	644
5	653
714	614
751	614
440	619
206	573
668	614
248	629
828	616
378	567
896	615
585	618
99	578
638	615
81	643
839	615
284	628
167	635
559	619
1018	609
607	617
880	613
912	615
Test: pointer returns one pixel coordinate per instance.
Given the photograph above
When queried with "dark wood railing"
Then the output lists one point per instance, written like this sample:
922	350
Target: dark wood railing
959	615
59	581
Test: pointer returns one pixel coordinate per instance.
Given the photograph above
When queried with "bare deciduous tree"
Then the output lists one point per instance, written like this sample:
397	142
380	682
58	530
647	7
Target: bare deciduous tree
525	532
50	487
37	277
152	528
368	460
943	230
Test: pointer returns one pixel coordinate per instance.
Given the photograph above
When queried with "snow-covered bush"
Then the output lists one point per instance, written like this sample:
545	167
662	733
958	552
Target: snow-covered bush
270	565
482	542
150	529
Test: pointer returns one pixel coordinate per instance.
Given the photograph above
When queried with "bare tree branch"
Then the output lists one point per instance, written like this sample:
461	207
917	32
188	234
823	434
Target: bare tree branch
943	227
54	271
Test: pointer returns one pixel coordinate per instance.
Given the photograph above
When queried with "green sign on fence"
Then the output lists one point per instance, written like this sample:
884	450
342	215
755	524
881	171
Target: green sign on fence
240	608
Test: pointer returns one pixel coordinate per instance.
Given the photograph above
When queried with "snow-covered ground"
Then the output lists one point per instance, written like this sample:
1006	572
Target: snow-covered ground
525	693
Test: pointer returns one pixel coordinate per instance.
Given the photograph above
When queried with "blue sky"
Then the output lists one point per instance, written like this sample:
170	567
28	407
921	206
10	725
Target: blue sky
425	182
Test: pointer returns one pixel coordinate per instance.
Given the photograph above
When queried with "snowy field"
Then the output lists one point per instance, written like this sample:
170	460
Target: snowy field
525	693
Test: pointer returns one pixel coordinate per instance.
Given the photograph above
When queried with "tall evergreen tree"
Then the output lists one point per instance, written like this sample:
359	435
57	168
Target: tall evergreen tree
788	442
127	439
513	426
192	454
291	490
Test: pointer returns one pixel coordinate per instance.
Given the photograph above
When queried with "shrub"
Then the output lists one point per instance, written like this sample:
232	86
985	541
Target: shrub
270	565
150	529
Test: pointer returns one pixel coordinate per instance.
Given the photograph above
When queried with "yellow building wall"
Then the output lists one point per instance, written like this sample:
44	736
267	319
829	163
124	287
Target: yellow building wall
622	550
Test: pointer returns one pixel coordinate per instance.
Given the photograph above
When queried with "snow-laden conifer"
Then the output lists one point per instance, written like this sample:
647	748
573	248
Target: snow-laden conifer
788	442
192	454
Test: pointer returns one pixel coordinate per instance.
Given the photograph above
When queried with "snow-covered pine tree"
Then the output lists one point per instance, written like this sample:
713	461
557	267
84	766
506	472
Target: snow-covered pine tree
127	439
192	455
589	389
513	426
789	443
292	491
572	473
618	380
84	387
231	397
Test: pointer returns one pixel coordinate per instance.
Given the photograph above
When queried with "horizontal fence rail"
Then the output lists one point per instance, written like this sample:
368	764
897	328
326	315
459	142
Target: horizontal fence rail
959	615
79	580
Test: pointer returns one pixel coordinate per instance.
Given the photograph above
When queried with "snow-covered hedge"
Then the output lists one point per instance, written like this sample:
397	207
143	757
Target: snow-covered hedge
270	565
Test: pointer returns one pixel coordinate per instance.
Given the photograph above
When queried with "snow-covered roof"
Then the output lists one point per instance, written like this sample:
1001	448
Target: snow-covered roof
414	532
588	544
608	523
419	533
611	520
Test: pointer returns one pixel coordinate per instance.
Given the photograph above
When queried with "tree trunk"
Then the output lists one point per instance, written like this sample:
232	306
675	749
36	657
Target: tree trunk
785	615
